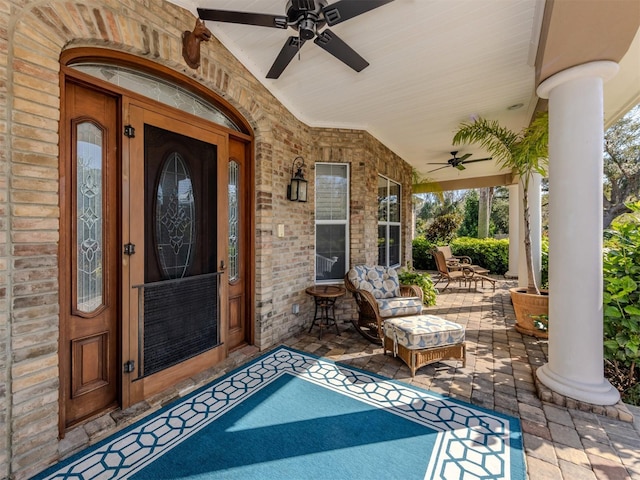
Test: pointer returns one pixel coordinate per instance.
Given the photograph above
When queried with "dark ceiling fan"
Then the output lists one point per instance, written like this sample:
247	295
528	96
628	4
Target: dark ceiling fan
308	17
457	162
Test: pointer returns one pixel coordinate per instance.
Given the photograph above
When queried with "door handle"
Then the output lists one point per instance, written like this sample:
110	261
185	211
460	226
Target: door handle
222	266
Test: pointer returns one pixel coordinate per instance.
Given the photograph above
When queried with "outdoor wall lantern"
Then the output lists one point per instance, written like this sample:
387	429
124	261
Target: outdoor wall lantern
297	188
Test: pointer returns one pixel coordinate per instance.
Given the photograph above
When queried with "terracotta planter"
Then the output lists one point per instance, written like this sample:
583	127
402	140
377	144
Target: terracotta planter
525	305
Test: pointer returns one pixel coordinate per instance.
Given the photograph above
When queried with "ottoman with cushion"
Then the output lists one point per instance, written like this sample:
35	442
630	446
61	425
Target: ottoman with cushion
422	339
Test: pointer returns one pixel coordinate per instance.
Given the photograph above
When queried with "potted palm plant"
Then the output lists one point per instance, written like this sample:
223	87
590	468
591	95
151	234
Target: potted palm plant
524	153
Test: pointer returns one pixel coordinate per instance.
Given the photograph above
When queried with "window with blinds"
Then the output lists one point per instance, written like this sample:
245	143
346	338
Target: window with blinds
332	221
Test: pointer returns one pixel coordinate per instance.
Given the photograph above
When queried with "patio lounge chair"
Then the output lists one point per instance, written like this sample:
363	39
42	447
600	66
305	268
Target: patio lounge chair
464	272
453	259
379	295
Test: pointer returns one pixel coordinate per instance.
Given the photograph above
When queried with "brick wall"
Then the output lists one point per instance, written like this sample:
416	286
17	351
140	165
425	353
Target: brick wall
32	37
5	332
367	158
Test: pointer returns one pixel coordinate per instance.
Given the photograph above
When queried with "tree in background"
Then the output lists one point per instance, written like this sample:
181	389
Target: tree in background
434	206
621	165
498	218
443	228
460	208
500	212
469	225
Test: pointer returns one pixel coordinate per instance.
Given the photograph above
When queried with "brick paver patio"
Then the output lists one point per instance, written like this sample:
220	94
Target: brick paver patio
560	443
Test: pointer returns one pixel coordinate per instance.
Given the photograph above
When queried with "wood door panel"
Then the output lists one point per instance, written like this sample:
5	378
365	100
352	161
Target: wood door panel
89	364
89	253
236	315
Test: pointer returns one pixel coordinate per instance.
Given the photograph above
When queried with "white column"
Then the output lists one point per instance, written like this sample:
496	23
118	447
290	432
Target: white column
514	226
576	133
535	226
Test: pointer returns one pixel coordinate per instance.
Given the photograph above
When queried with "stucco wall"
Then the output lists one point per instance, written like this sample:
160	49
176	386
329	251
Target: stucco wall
32	36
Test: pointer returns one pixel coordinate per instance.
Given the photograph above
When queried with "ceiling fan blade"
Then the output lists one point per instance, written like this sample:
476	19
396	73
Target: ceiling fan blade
436	169
464	157
437	163
478	160
460	166
345	9
289	50
330	42
245	18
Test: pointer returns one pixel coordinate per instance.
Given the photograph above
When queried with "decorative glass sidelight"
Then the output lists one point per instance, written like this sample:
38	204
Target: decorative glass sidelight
175	218
234	185
89	220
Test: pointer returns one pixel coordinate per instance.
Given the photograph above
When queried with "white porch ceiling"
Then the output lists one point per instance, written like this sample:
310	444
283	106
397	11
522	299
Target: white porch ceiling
433	64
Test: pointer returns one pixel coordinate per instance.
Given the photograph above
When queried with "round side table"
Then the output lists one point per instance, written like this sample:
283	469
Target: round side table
325	297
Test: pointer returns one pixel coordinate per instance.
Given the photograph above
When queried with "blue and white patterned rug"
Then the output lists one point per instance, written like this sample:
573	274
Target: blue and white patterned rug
290	414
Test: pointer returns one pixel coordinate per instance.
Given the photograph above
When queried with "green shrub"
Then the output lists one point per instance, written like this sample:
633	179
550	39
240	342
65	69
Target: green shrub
544	273
488	252
423	280
422	257
621	269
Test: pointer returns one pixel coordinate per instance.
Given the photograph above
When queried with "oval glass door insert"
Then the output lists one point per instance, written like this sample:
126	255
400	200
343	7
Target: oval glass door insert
175	218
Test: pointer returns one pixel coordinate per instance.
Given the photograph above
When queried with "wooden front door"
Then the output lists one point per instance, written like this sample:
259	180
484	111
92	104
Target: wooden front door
89	253
122	230
176	220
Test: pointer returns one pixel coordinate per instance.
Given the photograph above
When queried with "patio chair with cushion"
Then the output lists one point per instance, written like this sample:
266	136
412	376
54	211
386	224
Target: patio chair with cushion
379	295
449	272
453	259
392	314
460	272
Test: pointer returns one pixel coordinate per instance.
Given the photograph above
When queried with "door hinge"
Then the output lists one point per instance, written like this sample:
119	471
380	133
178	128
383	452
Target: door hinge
129	249
129	366
129	131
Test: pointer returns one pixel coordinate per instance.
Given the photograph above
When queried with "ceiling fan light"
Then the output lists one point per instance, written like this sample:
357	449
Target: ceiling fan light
307	28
